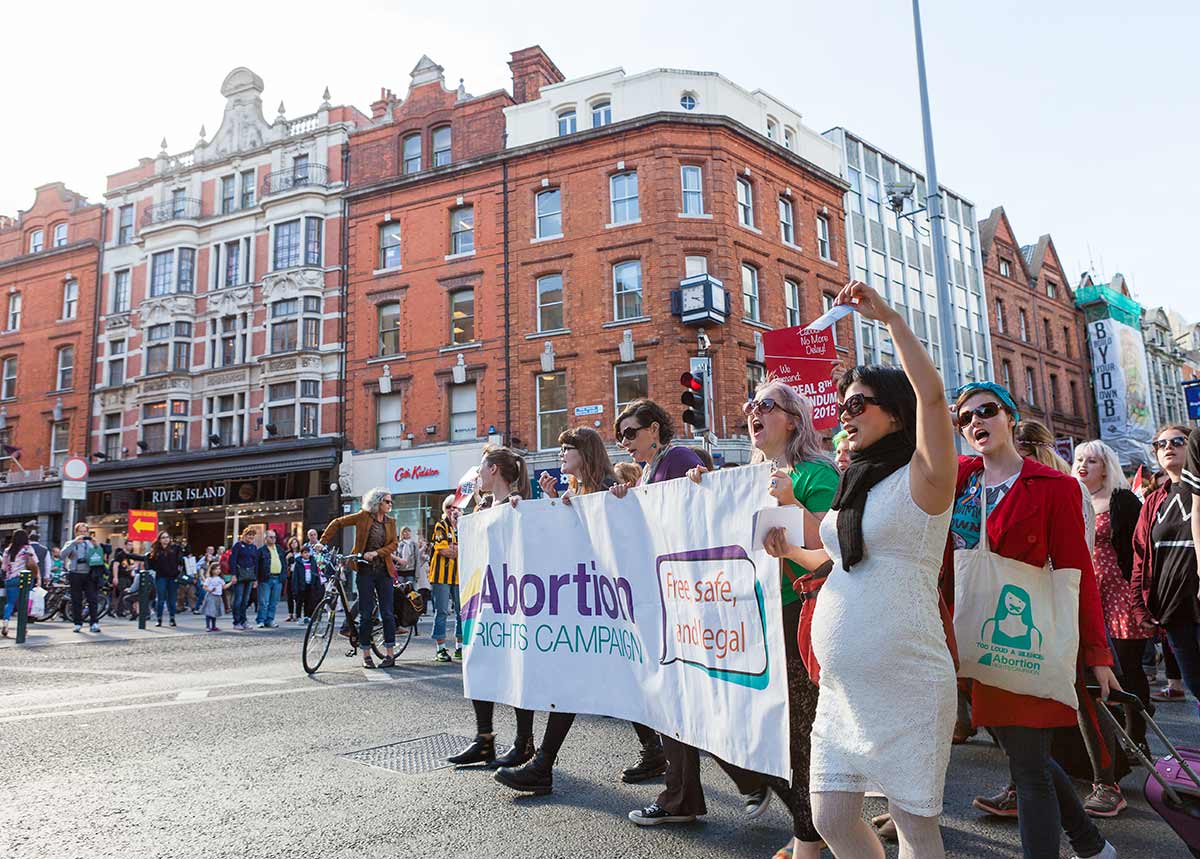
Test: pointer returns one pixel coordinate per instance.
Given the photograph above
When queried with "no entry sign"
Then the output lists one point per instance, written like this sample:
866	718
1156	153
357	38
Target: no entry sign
804	358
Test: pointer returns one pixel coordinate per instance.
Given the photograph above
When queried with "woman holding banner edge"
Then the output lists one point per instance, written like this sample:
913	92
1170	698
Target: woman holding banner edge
779	421
504	477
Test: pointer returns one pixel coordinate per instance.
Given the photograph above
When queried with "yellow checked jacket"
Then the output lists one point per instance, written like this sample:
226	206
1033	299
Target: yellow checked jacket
443	570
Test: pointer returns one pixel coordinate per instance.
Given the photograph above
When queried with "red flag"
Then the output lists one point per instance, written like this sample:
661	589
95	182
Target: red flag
1136	485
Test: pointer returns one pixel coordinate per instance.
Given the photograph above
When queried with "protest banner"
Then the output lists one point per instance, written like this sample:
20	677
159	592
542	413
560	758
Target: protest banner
652	608
804	358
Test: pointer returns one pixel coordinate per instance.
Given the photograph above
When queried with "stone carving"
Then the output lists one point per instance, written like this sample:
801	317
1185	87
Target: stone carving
243	126
155	311
227	379
281	365
230	301
121	321
345	477
290	284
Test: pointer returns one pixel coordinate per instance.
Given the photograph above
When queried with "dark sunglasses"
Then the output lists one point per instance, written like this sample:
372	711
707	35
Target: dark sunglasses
986	411
629	433
1164	443
764	406
855	406
386	501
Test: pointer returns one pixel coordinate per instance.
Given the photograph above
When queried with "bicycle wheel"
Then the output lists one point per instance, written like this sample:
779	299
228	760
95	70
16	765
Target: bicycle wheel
102	605
377	635
404	635
319	635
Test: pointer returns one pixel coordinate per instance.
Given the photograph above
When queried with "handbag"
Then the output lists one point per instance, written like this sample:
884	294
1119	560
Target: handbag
247	574
806	587
1017	625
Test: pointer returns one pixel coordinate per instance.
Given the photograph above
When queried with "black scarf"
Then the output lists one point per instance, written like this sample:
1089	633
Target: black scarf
867	467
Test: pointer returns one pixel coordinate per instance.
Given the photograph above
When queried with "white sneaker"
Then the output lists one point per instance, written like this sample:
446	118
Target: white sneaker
1109	852
95	627
78	627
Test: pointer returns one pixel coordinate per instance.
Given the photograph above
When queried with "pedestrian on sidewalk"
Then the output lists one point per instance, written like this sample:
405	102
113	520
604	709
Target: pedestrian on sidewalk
243	567
272	563
83	559
443	579
165	558
17	558
295	606
305	583
213	587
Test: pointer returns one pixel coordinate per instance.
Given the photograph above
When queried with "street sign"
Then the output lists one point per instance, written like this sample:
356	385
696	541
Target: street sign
74	468
143	525
74	490
597	409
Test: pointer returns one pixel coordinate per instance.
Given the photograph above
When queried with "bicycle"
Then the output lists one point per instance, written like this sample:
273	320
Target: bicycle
318	636
58	602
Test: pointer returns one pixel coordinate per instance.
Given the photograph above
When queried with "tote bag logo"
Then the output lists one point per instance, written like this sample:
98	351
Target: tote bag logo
1010	637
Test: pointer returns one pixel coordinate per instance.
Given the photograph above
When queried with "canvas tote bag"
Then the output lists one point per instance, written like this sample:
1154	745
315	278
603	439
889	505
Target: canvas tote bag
1017	625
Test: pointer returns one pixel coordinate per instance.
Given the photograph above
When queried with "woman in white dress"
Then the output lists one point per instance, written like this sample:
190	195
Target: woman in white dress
887	700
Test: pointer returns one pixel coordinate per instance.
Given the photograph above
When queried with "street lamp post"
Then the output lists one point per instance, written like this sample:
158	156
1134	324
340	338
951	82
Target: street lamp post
933	203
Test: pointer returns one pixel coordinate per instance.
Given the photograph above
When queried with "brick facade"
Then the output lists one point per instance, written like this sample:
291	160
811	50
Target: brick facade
1037	332
53	281
510	257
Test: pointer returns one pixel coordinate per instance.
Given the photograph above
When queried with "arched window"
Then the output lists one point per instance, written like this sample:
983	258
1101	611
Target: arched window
60	235
37	241
601	113
441	146
566	121
412	153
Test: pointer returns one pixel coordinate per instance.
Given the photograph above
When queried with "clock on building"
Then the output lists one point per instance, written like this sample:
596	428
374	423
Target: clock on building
700	300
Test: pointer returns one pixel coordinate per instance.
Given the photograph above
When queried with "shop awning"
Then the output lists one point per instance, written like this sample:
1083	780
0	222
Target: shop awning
243	462
29	500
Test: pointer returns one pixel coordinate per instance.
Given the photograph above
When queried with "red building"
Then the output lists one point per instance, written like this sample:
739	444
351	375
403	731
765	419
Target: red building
1038	340
49	268
514	263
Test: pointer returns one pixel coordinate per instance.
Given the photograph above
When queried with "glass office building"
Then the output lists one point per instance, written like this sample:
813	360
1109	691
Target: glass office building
894	254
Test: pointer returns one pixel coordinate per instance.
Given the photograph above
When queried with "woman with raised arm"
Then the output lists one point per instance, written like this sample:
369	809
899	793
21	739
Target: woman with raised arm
887	704
504	479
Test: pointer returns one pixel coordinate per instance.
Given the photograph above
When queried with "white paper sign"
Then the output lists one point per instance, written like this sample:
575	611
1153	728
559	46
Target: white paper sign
653	608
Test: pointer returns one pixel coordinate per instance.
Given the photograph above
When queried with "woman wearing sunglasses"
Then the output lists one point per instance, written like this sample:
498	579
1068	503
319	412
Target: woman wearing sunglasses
583	458
504	479
1164	580
780	425
887	694
1030	528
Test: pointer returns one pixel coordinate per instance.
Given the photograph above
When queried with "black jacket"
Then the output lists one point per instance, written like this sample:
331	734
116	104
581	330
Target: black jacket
166	565
1123	509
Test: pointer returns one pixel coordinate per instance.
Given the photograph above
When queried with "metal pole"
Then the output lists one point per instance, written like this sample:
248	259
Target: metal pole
933	203
26	584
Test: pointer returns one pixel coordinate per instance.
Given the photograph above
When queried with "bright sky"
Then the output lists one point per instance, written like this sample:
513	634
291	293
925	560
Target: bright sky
1078	116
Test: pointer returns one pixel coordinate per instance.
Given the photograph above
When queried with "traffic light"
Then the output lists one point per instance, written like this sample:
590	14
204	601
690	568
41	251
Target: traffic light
693	398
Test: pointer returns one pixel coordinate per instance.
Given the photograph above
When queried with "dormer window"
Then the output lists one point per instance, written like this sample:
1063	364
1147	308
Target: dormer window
789	138
37	241
601	113
566	122
772	129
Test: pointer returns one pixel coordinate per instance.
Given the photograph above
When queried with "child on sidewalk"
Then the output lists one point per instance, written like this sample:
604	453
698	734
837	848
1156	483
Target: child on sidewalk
213	585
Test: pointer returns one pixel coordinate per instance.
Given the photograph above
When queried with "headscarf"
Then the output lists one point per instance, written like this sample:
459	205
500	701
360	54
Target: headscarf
1000	391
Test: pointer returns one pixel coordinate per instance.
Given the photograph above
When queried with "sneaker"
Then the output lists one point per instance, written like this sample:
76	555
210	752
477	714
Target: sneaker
172	621
272	626
458	653
1168	693
442	655
757	802
1105	801
1108	852
95	627
78	627
654	814
262	626
1003	804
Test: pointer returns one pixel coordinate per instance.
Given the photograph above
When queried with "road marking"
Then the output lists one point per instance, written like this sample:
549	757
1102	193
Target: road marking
175	702
96	671
192	695
254	681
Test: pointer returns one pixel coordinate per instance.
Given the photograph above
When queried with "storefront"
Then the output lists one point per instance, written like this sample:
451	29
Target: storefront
206	499
418	478
40	502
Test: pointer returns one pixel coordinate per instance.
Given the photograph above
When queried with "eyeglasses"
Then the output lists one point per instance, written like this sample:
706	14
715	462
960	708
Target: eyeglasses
1164	443
629	433
855	405
764	406
986	411
386	501
566	447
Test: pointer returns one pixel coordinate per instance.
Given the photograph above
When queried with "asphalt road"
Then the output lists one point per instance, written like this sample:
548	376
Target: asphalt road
177	743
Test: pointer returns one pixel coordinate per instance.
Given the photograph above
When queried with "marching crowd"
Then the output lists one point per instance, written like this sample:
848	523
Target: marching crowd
905	543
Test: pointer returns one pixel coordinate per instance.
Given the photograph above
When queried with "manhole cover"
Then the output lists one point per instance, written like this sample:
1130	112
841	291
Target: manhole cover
411	757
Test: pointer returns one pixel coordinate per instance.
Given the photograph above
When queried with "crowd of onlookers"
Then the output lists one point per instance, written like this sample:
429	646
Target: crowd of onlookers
263	570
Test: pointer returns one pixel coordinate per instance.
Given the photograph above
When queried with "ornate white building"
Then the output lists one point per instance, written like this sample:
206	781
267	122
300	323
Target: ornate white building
220	323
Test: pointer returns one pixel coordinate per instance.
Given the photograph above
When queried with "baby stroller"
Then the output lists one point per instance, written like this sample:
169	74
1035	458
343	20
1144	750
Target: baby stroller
1172	787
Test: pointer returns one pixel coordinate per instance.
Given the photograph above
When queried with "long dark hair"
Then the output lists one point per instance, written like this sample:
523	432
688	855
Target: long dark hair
646	412
597	472
512	468
20	539
157	549
889	385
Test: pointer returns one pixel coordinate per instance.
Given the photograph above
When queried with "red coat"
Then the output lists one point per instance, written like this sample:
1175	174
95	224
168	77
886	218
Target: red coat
1039	520
1143	556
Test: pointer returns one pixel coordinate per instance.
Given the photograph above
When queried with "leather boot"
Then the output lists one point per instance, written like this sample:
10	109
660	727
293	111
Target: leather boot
535	777
481	751
652	764
522	750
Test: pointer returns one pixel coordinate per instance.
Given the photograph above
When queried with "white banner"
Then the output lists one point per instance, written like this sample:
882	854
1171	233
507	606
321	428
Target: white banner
1122	381
652	608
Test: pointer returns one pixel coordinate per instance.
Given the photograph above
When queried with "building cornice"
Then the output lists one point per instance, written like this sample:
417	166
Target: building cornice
50	253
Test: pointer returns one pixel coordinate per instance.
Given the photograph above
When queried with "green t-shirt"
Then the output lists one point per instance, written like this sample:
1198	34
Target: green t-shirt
814	484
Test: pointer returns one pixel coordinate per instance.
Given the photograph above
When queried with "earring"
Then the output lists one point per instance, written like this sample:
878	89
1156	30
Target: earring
654	445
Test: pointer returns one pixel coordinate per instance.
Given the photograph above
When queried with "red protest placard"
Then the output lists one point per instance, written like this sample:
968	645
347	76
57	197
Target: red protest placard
805	359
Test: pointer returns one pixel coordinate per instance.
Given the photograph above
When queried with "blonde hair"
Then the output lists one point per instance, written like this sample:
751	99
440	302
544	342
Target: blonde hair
628	472
1033	435
1114	477
249	532
805	444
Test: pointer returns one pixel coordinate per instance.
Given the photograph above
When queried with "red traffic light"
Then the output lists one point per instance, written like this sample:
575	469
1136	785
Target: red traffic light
692	383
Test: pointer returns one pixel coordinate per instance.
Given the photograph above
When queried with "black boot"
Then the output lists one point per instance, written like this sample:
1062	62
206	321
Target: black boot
522	750
481	751
652	764
535	777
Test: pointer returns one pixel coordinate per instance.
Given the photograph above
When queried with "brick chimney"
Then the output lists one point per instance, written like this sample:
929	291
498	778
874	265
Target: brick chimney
532	70
379	108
